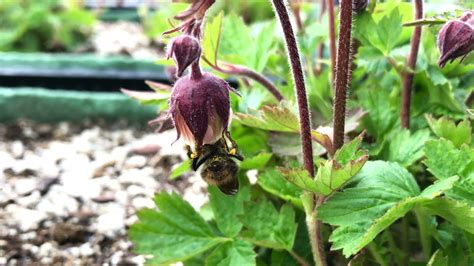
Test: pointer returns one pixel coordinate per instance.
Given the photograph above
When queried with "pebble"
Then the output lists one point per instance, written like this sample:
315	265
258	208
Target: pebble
24	218
96	180
24	186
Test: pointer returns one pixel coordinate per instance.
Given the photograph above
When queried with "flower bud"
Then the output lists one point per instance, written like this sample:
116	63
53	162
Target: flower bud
359	5
200	108
184	49
456	38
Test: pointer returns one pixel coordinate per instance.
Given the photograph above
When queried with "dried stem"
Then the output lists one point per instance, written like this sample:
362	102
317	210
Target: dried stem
332	36
411	64
297	71
342	73
231	69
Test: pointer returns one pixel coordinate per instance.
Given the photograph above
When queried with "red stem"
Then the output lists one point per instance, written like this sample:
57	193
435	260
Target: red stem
297	71
332	36
411	64
342	73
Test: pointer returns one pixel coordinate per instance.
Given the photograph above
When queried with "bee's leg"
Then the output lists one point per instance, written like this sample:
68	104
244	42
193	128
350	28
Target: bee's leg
234	149
193	154
189	152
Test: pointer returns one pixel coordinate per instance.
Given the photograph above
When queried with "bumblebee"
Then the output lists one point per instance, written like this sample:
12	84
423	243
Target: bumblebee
218	166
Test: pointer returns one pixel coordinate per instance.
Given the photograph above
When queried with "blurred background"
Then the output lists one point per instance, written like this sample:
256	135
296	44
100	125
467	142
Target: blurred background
77	159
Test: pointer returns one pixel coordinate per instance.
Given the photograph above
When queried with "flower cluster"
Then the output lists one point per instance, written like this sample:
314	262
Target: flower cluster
456	38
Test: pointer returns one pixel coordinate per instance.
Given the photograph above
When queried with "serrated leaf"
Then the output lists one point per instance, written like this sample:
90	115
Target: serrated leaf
406	148
380	194
300	178
273	182
265	226
256	162
235	253
273	118
350	151
175	233
211	38
181	169
227	208
456	212
445	128
332	176
443	159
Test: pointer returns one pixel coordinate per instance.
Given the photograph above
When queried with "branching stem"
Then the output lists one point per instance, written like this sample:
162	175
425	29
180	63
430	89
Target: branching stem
343	65
411	64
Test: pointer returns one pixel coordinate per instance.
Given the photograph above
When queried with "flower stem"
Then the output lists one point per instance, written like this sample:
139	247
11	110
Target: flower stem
332	36
411	64
343	65
196	70
314	226
232	69
297	71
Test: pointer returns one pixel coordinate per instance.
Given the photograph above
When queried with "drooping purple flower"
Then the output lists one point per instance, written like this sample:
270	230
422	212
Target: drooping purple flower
200	108
456	38
184	50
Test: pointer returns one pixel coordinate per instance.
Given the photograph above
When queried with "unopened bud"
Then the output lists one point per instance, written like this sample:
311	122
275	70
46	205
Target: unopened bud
456	38
184	49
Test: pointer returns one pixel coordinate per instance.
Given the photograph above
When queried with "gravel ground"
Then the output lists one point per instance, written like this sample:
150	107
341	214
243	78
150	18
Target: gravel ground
69	192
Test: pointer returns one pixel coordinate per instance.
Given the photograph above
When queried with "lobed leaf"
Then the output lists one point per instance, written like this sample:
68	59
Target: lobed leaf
265	226
406	148
227	209
175	233
235	253
444	128
380	194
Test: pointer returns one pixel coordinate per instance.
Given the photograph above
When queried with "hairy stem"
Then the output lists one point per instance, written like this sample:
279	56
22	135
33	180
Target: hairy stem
332	36
343	65
314	226
297	71
411	64
231	69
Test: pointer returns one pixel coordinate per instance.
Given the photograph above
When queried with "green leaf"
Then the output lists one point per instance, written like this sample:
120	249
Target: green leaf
256	162
443	159
438	259
211	38
234	253
273	182
175	233
380	194
183	168
300	178
456	212
350	151
274	118
445	128
265	226
388	31
149	98
406	148
227	208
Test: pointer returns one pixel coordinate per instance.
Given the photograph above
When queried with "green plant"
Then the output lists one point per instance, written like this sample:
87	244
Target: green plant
49	25
317	192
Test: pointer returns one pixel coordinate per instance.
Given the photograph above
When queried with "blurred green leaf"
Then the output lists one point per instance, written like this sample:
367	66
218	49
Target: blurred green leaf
458	213
445	128
181	169
235	253
406	148
273	182
265	226
256	162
